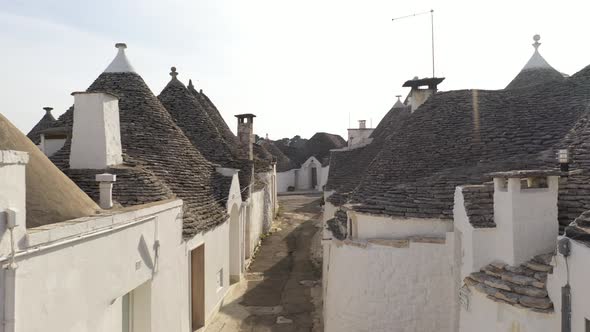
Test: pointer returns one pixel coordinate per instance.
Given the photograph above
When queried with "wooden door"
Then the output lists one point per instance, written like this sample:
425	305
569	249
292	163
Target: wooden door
198	287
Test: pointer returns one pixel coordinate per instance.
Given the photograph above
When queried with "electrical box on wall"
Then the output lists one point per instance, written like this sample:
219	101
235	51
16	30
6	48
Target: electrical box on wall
563	246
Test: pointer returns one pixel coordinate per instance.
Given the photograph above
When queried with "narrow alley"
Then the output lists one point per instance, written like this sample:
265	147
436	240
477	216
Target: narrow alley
282	287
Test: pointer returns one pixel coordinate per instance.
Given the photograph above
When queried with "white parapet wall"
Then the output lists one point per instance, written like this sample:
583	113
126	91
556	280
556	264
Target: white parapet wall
390	286
393	274
477	245
75	274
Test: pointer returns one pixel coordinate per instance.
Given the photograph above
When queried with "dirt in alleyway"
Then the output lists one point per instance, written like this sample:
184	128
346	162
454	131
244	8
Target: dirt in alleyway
282	291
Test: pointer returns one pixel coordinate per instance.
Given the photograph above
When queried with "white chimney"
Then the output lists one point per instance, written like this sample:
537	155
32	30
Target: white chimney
105	181
525	213
12	198
96	133
362	124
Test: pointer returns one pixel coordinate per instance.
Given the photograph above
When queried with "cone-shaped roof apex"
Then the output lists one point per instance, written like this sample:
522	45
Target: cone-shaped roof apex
120	63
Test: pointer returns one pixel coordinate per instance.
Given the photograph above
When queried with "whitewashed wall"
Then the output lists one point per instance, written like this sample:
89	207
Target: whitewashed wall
257	220
367	226
285	180
477	245
579	276
300	178
382	288
52	145
78	286
329	208
485	315
323	176
216	258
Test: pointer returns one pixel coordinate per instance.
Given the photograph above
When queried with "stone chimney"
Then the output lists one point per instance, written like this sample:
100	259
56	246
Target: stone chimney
246	135
418	95
362	124
96	133
525	213
12	198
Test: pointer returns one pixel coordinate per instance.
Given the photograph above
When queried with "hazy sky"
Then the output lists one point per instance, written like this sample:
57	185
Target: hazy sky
301	66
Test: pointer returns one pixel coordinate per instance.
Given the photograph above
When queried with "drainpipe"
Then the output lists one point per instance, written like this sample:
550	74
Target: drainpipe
563	246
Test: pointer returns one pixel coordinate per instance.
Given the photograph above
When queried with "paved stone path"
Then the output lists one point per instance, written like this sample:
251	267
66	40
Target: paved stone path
282	290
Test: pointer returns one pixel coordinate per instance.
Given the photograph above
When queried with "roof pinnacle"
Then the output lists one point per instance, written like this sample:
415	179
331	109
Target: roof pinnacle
173	72
120	63
536	44
48	109
398	97
190	84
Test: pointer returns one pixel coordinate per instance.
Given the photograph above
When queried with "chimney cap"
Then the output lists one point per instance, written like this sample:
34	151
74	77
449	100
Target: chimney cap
525	173
48	109
106	177
121	45
418	82
94	92
245	115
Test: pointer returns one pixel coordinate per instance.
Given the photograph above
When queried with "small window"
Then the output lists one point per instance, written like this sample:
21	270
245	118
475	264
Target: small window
220	278
534	182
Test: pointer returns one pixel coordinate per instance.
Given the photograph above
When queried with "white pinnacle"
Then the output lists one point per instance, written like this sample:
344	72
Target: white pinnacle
120	63
536	61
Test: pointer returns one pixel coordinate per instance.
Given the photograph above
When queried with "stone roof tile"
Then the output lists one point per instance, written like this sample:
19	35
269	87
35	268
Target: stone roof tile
512	285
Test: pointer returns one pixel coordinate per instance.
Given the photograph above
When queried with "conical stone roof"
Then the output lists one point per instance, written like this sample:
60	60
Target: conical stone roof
536	71
214	115
51	196
47	121
155	148
195	122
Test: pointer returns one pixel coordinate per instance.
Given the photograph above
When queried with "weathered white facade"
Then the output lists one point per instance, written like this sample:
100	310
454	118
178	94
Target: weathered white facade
303	178
74	275
377	278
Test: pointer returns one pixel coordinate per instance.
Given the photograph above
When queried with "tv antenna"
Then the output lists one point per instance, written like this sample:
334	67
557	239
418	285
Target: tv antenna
431	29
